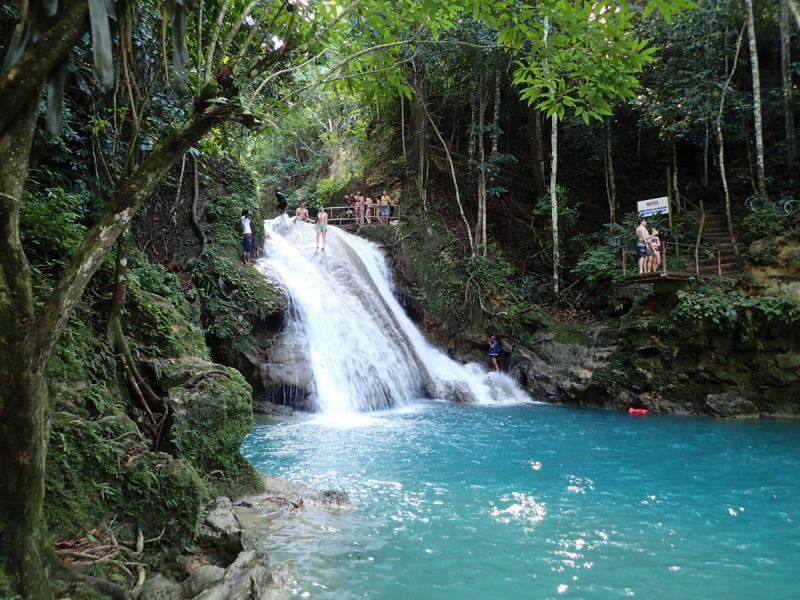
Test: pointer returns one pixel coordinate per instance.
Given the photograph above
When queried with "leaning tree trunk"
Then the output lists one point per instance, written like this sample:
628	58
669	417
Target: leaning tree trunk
751	35
721	142
788	99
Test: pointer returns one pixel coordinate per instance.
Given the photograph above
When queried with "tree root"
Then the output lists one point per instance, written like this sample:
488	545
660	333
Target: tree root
202	375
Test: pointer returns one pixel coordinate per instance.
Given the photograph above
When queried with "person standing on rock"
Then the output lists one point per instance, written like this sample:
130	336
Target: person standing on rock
385	202
494	348
247	245
281	206
322	226
642	244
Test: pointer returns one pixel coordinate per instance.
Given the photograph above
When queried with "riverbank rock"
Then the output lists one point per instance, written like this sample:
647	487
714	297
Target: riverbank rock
250	577
267	409
730	405
223	530
287	375
292	493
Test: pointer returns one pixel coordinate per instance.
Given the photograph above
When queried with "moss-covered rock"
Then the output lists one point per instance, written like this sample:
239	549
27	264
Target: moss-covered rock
159	329
210	410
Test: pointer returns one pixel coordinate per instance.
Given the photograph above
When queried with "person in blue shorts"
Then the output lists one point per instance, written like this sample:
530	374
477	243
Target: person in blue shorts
247	244
322	226
494	348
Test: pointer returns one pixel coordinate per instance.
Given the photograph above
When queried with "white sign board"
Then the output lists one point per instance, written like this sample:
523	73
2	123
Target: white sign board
654	206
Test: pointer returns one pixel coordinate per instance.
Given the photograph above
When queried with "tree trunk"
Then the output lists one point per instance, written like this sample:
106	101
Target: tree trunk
420	129
403	122
471	145
495	121
612	184
795	10
537	152
28	342
676	193
751	34
554	197
788	100
721	142
116	336
24	405
480	229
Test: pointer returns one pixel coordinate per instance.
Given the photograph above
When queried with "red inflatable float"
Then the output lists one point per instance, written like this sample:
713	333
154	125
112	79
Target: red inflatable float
638	411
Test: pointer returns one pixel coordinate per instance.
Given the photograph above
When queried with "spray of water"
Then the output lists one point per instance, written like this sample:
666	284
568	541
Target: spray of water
364	351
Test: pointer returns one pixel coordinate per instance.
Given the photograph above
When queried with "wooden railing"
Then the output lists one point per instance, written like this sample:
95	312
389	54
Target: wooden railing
358	214
663	255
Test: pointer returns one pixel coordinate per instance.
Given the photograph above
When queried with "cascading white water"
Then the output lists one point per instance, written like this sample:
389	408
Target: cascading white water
364	351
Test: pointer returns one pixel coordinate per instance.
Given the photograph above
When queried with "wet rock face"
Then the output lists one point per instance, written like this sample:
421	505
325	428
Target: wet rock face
456	391
731	405
287	376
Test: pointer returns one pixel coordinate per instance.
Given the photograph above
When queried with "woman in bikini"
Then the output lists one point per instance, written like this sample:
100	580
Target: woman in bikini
322	226
368	209
359	200
655	244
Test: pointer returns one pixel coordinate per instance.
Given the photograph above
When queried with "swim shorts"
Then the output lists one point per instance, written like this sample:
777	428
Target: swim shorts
322	226
384	211
641	249
247	246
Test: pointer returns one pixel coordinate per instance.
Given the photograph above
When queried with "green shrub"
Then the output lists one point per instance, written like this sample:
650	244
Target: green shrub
758	226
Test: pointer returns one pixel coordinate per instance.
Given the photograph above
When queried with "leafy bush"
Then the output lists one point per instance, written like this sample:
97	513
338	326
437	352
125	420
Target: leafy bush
155	279
758	226
601	268
735	313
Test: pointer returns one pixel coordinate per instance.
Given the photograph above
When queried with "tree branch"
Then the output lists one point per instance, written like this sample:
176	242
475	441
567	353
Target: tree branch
22	80
50	324
212	46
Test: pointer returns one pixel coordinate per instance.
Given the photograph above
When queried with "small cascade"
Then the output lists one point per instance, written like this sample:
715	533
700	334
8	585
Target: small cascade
361	350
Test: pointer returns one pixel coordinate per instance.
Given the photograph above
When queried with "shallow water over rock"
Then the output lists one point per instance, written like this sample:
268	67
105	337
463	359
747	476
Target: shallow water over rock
535	501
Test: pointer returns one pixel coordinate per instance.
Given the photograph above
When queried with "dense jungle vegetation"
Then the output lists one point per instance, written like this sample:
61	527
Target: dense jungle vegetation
516	137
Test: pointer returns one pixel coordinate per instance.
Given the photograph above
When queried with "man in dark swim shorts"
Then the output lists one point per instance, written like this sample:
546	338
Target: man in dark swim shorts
281	202
642	245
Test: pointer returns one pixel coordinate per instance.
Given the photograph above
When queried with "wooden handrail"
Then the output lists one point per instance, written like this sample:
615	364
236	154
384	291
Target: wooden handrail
697	244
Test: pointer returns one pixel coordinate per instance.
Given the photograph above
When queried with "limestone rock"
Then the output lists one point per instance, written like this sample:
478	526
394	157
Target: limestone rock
295	492
730	405
533	373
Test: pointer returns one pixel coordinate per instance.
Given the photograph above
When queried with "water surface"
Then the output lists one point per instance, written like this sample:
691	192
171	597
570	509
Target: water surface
536	501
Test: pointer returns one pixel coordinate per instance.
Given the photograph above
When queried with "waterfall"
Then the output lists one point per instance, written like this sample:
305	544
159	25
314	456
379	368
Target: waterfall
363	351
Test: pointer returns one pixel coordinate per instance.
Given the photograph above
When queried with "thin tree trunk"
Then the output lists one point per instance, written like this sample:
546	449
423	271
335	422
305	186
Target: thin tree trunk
751	34
553	178
795	10
537	152
201	234
480	231
788	100
420	130
705	158
496	120
471	145
455	181
612	184
675	191
403	122
721	142
116	336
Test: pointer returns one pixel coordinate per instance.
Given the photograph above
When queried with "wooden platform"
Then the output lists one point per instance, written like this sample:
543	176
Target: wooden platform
656	277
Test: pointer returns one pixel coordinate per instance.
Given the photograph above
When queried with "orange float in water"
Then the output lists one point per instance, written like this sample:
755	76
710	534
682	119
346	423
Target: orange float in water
638	411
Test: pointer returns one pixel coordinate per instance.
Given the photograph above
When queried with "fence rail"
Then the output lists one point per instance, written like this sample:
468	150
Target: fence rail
663	256
363	215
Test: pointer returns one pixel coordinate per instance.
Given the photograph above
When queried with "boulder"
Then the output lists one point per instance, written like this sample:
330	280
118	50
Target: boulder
533	374
250	577
299	492
456	391
158	587
224	530
730	405
202	579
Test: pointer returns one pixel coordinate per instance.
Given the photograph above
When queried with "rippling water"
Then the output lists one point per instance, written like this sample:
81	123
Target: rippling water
536	501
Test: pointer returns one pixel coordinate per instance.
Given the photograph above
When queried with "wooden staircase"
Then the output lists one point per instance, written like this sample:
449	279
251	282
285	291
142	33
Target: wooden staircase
715	233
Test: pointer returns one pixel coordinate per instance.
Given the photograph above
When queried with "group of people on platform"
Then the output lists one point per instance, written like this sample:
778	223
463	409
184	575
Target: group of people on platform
648	248
379	208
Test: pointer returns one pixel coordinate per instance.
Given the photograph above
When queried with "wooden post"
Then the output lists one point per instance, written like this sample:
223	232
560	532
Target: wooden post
624	266
669	199
696	262
665	256
719	262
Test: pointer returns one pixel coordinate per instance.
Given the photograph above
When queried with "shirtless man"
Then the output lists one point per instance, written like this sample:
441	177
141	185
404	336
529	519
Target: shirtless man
642	244
348	202
302	213
385	202
281	206
322	226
